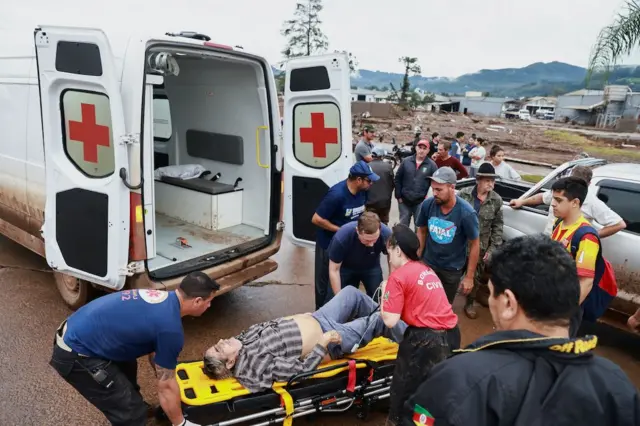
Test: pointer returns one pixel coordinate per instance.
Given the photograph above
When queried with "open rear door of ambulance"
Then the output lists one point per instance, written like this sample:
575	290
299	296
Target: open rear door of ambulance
86	220
317	138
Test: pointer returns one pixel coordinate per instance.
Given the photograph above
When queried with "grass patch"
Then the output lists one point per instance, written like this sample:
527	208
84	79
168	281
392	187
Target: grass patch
532	178
577	140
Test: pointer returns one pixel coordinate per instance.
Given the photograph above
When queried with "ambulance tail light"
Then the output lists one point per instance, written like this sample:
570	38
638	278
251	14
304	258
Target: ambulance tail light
137	240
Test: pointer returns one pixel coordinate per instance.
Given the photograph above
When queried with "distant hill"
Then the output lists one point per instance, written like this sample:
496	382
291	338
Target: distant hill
537	79
542	79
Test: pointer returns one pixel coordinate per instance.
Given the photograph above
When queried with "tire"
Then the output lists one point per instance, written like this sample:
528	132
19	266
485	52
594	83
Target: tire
74	292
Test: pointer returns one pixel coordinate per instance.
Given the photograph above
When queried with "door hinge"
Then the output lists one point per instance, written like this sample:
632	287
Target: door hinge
132	269
130	139
280	226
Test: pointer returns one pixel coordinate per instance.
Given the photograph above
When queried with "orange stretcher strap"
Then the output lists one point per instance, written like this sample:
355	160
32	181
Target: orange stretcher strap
287	402
351	382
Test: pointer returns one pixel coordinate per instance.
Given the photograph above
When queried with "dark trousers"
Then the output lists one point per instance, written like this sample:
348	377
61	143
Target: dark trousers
121	402
322	284
371	278
450	281
419	351
382	212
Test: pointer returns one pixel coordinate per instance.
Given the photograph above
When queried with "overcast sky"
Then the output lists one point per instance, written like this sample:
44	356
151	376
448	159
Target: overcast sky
449	38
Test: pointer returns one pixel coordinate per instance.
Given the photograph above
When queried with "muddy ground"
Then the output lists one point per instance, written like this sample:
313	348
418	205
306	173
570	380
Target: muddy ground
539	140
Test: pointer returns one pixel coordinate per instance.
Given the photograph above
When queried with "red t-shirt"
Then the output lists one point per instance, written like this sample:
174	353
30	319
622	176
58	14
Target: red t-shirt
415	292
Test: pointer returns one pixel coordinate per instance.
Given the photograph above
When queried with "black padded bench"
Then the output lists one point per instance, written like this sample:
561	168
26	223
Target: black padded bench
201	185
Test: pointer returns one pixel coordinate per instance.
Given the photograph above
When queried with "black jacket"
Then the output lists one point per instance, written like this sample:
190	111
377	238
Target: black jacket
413	184
381	191
519	378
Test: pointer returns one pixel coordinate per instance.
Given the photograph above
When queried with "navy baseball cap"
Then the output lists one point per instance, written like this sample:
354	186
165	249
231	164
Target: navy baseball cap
362	169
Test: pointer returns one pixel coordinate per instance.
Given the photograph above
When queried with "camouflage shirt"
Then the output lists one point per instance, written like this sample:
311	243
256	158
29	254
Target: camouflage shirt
489	217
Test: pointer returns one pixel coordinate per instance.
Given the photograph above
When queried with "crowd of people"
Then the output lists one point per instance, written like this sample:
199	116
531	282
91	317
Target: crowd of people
535	368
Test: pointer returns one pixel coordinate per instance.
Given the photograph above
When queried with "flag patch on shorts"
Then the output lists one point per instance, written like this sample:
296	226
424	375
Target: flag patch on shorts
422	417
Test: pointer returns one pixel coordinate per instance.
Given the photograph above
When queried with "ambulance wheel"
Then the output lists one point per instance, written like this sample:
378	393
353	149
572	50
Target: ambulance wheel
74	292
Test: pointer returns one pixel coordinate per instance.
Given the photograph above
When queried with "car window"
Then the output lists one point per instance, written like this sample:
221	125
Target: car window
161	119
624	199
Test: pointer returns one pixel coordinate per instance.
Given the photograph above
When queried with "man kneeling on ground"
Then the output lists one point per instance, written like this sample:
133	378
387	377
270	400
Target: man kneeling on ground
529	372
277	350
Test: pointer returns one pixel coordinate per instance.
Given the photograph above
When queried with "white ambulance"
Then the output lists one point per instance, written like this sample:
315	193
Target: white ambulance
128	160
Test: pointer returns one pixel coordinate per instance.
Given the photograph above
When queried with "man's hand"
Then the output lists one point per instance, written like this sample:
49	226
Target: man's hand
634	322
331	337
486	257
516	204
188	423
400	200
467	285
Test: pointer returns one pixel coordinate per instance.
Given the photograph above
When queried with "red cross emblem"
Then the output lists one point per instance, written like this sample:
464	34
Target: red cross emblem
318	135
89	133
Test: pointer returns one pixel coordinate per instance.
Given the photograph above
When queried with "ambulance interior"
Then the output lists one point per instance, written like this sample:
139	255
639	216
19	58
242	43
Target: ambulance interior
212	169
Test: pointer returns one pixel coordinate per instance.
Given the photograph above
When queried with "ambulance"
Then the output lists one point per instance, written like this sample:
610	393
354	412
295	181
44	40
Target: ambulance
130	160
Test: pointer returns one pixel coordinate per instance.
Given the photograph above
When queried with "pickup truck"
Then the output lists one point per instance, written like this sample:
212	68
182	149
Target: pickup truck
618	185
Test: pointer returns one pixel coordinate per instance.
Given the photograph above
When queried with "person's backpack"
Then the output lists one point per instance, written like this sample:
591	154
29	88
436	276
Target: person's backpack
605	287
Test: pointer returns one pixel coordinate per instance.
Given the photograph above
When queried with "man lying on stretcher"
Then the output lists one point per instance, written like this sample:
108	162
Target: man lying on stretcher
274	351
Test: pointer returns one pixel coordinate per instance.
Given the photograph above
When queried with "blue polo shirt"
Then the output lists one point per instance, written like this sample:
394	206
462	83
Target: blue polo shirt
126	325
339	207
347	249
447	234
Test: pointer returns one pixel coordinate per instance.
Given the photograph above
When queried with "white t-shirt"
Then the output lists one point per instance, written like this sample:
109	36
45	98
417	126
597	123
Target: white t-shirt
477	151
593	209
505	171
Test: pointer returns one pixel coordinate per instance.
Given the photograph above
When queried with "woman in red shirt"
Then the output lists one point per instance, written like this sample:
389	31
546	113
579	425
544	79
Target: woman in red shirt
413	293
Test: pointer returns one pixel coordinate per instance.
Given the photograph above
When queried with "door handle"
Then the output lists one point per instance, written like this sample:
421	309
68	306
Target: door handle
123	176
264	166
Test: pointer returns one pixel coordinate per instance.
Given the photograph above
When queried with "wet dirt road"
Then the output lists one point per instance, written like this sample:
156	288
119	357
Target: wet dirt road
32	394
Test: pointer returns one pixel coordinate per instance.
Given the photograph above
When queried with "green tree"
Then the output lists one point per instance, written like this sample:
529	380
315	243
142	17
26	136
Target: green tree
303	32
305	36
411	67
616	40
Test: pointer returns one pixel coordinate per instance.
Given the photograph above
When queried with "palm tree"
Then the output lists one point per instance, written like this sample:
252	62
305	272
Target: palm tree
616	40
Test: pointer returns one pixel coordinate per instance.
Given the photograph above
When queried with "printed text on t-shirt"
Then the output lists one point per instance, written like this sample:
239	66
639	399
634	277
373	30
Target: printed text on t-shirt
442	231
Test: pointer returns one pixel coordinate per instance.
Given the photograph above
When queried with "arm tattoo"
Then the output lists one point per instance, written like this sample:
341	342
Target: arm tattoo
164	373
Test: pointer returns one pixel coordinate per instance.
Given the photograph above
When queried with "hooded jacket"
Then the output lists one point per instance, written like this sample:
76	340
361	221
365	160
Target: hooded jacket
520	378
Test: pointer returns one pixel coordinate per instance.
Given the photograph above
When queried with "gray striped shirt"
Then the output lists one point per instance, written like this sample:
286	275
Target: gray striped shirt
271	352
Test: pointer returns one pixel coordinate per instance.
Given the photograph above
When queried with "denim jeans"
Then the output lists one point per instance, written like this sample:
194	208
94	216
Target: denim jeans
354	316
406	212
371	278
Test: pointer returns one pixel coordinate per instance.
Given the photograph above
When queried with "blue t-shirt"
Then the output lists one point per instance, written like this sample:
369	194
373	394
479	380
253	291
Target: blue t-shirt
126	325
347	249
339	207
447	234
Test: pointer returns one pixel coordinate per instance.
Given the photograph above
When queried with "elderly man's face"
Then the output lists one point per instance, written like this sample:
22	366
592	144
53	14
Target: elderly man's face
485	184
225	350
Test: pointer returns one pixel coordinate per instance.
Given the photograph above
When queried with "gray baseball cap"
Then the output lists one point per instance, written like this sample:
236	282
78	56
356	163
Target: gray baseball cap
445	175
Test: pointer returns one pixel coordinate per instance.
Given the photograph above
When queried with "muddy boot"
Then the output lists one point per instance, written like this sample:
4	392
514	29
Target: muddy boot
470	311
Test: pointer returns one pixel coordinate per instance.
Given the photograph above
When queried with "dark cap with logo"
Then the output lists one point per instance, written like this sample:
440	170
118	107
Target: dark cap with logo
407	240
362	169
445	175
